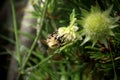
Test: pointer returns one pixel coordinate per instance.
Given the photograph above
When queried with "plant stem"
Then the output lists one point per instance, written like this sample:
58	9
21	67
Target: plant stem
15	31
111	55
37	37
115	75
43	61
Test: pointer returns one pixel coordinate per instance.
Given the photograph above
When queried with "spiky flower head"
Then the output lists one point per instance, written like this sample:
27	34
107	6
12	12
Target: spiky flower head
97	25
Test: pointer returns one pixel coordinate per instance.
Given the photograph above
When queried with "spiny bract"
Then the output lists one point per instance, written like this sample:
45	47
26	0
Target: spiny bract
97	25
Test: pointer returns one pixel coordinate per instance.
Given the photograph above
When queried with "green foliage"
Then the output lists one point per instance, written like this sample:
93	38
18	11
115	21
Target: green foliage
72	61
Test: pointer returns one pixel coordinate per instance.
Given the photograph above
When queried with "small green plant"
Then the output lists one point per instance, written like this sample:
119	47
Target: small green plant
68	53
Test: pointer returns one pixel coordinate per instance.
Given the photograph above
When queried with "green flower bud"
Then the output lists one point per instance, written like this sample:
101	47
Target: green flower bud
97	25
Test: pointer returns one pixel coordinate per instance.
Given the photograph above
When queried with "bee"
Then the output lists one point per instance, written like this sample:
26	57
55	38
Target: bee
55	41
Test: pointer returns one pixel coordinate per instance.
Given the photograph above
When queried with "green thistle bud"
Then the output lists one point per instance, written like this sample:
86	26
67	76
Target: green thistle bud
97	25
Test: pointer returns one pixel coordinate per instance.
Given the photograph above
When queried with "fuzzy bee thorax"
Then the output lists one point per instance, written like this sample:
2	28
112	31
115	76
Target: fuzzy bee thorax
54	41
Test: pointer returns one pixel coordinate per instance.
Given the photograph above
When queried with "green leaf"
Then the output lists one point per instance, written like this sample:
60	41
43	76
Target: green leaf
72	15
